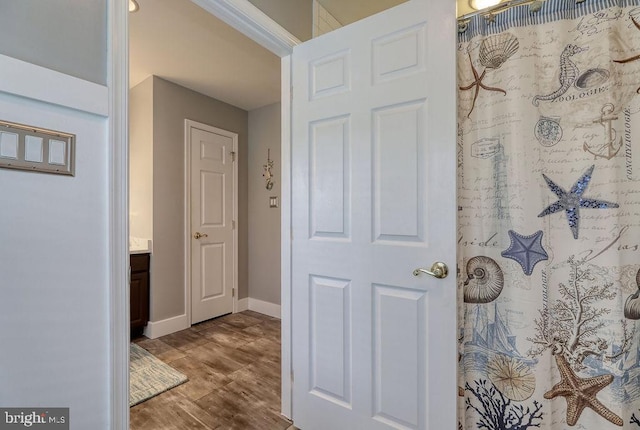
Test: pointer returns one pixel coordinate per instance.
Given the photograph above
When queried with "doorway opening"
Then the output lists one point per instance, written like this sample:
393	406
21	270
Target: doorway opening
196	80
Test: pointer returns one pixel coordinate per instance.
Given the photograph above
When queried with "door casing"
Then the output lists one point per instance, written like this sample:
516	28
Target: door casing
252	22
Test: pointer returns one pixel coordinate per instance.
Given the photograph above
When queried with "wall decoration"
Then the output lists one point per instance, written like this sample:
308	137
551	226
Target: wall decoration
268	175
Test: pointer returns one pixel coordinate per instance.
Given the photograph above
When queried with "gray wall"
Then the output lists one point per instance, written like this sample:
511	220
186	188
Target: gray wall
68	36
141	160
264	222
172	104
295	16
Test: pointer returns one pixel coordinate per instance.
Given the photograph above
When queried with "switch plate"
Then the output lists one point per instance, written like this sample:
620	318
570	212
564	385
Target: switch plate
35	149
273	202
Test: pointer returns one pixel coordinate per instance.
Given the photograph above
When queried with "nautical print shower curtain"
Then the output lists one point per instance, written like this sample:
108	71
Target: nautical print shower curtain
549	217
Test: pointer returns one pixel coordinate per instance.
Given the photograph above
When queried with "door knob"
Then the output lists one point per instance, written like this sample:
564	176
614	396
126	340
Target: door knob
438	270
198	235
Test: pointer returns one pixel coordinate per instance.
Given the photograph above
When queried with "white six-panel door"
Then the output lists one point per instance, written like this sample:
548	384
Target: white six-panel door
373	183
212	158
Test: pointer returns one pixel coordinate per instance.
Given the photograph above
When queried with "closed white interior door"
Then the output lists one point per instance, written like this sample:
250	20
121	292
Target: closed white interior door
373	159
213	180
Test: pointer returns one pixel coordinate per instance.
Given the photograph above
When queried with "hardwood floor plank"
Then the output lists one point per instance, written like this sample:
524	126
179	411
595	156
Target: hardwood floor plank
161	350
227	335
233	366
184	340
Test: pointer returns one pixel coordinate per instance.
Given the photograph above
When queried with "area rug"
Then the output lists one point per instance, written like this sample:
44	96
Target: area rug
148	376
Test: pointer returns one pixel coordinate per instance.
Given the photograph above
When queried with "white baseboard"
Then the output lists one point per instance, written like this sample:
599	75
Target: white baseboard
160	328
243	305
167	326
265	308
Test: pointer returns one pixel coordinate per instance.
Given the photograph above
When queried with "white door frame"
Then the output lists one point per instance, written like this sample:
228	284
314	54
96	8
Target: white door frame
252	22
188	124
118	183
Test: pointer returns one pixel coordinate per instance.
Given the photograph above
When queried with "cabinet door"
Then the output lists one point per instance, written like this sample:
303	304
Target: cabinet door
139	305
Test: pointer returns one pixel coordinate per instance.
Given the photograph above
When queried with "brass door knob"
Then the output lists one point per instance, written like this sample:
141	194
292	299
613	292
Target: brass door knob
438	270
198	235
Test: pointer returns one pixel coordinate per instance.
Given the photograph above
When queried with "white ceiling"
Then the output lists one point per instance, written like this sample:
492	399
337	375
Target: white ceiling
350	11
178	41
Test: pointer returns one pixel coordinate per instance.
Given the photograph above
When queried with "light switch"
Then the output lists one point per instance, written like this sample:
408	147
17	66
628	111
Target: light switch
33	149
8	145
273	201
57	152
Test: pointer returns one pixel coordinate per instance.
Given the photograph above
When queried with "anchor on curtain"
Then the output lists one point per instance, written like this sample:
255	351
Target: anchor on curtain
549	217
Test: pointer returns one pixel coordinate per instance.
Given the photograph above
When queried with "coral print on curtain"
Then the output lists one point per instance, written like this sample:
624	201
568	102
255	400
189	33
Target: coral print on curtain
549	217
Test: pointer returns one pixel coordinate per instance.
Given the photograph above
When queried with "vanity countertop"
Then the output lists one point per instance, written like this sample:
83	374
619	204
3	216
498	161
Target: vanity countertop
138	245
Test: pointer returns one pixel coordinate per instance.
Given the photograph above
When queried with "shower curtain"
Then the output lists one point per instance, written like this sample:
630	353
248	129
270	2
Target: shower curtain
549	217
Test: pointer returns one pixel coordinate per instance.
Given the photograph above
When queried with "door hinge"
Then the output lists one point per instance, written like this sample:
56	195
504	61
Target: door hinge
233	155
233	224
233	292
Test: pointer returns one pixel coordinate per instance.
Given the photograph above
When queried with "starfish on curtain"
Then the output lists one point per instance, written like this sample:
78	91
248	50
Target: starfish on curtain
526	250
494	51
581	393
572	201
477	84
635	57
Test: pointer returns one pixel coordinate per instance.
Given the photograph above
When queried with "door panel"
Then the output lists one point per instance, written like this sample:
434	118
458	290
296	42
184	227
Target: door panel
212	209
212	188
329	178
212	267
399	314
373	165
330	339
397	135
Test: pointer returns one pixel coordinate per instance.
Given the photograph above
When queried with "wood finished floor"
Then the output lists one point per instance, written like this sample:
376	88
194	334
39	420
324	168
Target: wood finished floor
233	366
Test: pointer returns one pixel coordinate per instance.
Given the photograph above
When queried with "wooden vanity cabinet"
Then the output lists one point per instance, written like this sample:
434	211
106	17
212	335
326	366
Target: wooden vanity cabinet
139	292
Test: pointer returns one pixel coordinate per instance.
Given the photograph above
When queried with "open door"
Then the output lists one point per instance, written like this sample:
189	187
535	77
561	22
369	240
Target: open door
373	199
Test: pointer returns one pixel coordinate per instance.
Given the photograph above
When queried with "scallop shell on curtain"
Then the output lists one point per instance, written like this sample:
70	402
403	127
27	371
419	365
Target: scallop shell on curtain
485	280
495	50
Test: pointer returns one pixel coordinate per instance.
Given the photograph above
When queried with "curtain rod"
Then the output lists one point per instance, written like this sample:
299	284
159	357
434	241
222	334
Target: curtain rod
503	6
500	7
